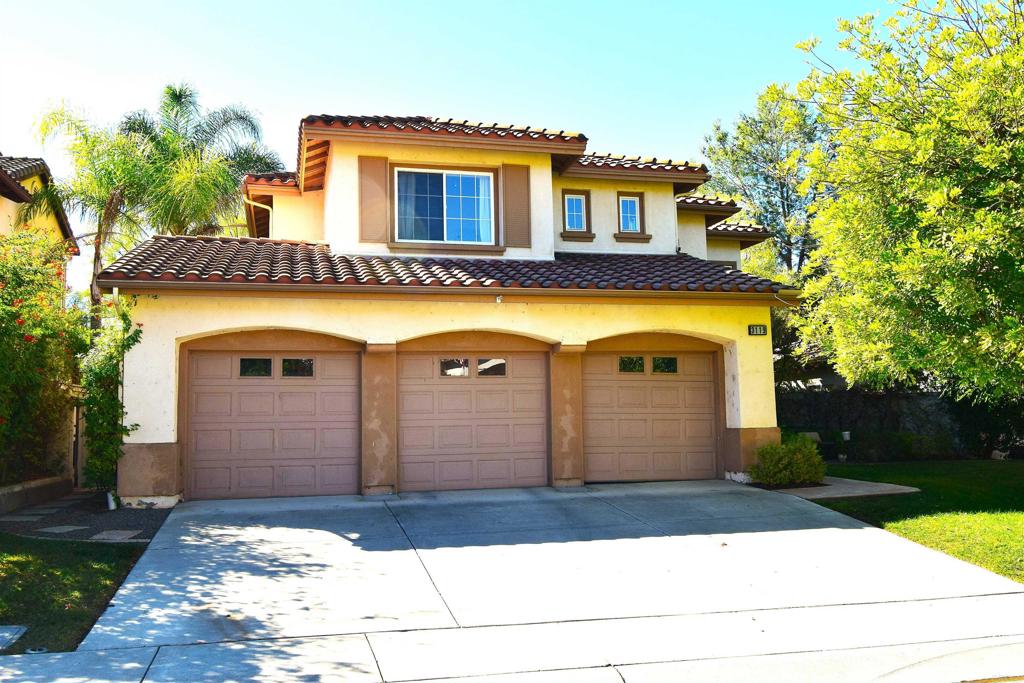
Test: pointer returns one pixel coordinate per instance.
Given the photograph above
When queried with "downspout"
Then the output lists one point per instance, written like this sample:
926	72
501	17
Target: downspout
270	212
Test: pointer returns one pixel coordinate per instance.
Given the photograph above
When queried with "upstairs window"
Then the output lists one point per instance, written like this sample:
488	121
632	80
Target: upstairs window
575	213
629	213
444	206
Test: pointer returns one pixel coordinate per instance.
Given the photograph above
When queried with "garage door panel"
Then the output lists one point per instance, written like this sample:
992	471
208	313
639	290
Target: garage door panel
488	430
649	425
273	435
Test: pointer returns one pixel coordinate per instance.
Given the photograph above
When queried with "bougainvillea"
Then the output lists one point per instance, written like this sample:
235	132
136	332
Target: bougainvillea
40	341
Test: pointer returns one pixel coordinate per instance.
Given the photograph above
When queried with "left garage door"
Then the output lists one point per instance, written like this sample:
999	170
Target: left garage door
272	424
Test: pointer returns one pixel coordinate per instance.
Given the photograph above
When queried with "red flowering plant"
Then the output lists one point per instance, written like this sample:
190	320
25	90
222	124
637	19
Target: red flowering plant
41	340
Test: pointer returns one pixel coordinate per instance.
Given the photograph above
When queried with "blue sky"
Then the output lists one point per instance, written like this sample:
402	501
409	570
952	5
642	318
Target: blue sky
637	77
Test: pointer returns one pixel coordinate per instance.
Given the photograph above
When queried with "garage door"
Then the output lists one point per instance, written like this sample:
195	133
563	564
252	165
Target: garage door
648	417
472	420
273	424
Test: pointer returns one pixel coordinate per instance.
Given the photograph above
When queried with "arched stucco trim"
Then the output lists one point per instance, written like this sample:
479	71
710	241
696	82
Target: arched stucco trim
222	332
490	332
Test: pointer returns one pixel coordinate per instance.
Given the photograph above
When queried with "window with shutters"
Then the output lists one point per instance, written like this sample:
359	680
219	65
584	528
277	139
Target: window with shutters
444	206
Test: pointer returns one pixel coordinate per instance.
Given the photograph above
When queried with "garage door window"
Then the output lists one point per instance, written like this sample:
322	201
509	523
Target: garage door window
255	367
296	367
455	367
490	367
631	363
665	365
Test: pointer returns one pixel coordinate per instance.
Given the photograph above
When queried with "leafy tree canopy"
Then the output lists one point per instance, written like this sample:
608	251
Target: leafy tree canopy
920	269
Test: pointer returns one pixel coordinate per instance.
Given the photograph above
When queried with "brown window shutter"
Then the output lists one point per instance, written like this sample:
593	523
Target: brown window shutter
515	193
373	199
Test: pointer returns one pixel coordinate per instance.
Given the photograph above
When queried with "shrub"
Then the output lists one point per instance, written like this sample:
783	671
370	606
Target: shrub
40	339
796	461
104	408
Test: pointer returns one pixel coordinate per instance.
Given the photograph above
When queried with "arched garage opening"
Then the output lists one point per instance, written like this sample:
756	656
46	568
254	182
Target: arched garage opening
269	412
472	411
652	408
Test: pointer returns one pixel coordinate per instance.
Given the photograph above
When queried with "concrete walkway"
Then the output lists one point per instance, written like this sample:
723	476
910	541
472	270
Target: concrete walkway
638	583
838	487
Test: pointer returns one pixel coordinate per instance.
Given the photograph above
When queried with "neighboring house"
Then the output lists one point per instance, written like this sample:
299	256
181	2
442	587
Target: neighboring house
429	304
20	178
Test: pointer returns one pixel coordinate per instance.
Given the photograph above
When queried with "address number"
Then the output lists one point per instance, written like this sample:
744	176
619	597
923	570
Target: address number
757	330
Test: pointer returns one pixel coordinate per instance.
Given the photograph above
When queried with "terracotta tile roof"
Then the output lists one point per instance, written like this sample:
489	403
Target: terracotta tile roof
696	199
621	162
231	261
428	124
739	228
20	168
280	179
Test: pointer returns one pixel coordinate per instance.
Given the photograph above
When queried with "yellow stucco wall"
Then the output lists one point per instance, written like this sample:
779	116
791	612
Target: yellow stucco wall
299	217
692	234
9	212
724	250
169	320
659	215
341	190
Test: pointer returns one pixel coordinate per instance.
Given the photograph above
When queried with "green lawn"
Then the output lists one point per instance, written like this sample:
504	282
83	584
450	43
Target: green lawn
973	510
58	588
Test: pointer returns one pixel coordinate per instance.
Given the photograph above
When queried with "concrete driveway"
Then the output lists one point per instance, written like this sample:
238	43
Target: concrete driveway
634	582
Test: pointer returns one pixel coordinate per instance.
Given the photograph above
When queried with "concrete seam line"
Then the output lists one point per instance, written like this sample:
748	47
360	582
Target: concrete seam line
628	514
373	654
422	564
149	666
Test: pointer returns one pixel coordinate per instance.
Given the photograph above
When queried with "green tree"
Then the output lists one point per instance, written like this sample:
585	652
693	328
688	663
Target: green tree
762	161
109	183
919	275
197	160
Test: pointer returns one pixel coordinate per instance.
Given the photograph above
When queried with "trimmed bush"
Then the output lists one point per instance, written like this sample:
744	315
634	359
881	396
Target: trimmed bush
792	463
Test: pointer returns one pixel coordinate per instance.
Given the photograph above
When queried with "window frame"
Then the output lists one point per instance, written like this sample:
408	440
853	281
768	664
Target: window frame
641	233
443	171
568	193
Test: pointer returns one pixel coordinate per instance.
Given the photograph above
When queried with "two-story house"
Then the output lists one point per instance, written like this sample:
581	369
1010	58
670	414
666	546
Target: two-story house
20	178
432	304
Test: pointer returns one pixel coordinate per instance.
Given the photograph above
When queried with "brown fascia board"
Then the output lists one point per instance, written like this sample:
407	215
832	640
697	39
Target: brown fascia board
695	178
13	190
751	238
785	296
442	140
724	211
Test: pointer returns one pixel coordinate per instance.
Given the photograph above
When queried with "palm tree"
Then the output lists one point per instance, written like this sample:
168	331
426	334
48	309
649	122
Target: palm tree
197	160
108	187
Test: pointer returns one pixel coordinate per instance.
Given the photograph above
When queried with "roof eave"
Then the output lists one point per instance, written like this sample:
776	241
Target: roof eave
689	177
493	141
13	190
131	284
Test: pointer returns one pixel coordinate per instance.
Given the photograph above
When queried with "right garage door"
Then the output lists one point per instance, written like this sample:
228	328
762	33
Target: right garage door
649	416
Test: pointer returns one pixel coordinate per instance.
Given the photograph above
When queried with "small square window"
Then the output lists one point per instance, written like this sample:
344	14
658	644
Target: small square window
296	367
575	213
629	214
455	367
666	365
631	363
255	367
491	367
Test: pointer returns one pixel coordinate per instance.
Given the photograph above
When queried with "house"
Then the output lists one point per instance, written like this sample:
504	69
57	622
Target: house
432	304
20	178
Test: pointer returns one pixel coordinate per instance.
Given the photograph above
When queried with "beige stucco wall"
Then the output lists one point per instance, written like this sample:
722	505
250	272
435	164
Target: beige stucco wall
724	250
341	190
299	217
692	234
169	320
659	215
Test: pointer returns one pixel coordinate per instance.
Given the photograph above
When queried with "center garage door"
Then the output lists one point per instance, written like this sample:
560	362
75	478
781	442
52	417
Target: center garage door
648	416
273	424
469	420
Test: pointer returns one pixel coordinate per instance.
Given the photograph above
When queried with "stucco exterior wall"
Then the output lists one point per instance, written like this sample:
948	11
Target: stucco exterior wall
170	319
692	234
299	217
724	250
9	212
659	215
341	191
